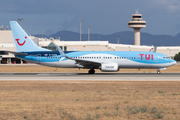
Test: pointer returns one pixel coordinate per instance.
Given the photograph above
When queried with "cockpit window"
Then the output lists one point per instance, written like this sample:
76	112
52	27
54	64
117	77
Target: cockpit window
166	57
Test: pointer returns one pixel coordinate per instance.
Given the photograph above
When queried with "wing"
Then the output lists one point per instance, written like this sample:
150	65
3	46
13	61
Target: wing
81	62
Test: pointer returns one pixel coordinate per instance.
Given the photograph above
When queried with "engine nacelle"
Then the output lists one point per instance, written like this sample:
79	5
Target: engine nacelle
109	67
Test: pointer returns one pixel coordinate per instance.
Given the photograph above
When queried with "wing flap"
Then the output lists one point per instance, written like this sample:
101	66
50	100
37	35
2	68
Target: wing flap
85	62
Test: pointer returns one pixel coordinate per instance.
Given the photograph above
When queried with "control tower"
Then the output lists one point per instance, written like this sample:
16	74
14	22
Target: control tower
137	23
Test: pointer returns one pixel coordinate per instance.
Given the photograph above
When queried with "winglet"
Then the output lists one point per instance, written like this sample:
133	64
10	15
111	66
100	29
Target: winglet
61	52
74	49
153	49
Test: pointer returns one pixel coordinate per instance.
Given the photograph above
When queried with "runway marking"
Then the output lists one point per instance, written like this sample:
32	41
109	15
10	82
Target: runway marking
92	78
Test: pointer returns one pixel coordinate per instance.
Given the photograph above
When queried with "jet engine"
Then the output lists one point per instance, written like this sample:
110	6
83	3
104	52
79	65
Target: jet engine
109	67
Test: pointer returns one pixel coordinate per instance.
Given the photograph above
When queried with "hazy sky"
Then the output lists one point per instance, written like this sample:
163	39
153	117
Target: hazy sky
103	16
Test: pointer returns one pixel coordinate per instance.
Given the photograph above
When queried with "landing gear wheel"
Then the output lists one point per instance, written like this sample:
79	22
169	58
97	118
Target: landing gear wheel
158	72
91	71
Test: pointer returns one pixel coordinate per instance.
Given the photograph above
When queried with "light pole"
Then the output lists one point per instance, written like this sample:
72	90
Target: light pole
20	20
117	40
99	36
80	28
88	33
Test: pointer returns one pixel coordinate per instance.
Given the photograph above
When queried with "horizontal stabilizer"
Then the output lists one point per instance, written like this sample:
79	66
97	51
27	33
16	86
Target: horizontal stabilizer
74	49
17	53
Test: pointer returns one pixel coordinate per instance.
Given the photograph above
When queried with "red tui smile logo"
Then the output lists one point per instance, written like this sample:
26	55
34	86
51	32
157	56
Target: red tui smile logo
21	44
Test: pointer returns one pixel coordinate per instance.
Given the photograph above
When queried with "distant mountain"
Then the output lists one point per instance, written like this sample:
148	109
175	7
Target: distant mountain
66	35
125	37
40	36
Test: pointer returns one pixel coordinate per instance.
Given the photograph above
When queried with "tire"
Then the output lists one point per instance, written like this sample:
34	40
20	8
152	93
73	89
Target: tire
158	72
91	71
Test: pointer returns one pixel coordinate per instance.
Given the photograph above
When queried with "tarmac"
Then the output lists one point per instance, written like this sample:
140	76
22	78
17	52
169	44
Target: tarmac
90	77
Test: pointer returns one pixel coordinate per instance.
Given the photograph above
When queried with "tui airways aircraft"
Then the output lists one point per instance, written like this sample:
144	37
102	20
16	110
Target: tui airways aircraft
106	61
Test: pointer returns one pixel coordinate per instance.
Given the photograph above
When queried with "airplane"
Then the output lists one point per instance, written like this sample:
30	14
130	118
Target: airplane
106	61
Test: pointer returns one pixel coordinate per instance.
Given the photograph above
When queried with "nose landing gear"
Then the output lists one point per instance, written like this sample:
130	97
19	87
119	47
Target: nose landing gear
158	72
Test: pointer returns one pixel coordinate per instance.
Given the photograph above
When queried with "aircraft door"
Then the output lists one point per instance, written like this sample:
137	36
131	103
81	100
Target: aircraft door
156	59
102	58
39	57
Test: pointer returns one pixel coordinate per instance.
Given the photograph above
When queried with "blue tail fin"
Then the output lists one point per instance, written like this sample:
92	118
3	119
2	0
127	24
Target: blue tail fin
22	41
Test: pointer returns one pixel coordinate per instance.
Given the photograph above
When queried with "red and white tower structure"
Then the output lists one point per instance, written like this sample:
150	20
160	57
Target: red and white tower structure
137	23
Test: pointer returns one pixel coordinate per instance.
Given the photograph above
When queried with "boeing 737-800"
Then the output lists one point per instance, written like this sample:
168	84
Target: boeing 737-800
106	61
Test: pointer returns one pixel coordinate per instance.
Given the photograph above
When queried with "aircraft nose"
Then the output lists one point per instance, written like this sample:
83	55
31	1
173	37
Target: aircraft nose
173	62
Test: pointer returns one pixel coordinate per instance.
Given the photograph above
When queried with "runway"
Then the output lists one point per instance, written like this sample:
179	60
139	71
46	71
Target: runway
90	77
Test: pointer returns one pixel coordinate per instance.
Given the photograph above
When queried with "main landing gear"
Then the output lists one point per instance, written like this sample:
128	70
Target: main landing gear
92	71
158	72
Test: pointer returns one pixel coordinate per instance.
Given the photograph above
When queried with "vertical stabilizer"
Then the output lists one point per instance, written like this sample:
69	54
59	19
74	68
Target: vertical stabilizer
22	41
